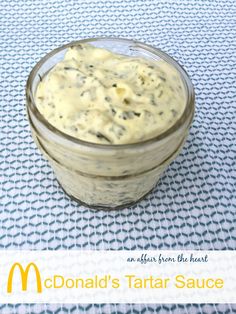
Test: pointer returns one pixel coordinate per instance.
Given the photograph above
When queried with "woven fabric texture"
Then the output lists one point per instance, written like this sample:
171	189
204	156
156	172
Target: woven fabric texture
192	207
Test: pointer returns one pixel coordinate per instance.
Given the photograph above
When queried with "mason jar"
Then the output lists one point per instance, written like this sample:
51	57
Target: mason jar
107	176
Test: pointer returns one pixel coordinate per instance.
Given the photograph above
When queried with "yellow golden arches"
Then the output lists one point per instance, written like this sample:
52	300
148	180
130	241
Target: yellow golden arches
24	276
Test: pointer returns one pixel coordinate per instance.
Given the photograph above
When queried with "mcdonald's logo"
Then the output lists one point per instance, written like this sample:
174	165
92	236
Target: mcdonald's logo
24	276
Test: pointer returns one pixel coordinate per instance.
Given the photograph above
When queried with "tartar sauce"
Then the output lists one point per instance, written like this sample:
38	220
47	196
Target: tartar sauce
102	97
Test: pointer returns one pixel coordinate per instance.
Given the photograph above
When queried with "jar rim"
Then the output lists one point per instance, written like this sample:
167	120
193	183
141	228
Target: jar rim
187	113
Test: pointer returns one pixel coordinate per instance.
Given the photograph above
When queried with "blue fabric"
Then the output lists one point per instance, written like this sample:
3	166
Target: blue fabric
193	206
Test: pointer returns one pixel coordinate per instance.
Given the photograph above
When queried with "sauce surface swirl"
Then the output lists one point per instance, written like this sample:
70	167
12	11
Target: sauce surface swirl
102	97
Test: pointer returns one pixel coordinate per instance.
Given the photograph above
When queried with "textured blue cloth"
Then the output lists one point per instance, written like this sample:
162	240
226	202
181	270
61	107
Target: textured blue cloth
193	206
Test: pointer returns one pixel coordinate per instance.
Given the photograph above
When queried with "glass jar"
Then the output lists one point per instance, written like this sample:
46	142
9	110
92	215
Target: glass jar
107	176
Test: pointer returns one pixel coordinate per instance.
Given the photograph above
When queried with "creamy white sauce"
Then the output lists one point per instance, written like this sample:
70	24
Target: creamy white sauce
102	97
